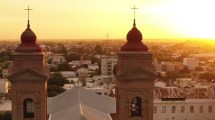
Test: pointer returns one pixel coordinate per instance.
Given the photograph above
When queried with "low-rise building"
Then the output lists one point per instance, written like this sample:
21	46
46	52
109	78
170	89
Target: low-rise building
57	59
191	63
68	74
184	103
93	66
168	66
183	82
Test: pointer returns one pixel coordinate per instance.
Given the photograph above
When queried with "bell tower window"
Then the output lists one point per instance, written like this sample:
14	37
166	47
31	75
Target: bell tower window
136	106
28	108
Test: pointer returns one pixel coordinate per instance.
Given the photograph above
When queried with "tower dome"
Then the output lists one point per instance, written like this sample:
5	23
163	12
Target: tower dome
28	36
134	41
134	34
28	40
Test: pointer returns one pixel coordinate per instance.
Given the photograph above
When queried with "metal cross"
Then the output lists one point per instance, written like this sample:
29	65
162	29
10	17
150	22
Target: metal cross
134	8
28	11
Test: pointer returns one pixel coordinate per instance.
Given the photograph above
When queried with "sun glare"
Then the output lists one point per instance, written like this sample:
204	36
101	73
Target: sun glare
165	19
190	18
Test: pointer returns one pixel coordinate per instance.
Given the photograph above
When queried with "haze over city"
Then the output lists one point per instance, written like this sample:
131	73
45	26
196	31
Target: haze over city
95	19
107	60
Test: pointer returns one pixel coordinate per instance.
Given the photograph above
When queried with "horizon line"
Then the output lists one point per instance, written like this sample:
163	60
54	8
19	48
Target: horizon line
111	38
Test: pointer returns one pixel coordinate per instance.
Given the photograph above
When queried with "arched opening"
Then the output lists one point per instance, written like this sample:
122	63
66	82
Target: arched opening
28	108
136	106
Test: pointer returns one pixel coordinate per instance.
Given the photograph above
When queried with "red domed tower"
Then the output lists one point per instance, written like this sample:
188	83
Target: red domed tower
28	77
28	41
135	75
134	40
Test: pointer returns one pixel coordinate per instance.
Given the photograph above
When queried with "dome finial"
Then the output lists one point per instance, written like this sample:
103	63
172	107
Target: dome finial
134	24
134	39
134	8
28	36
28	26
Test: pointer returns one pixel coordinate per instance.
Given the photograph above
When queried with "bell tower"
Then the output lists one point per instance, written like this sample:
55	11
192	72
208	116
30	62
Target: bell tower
135	75
28	77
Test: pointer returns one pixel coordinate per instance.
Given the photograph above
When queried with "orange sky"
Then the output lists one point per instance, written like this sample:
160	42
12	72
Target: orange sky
89	19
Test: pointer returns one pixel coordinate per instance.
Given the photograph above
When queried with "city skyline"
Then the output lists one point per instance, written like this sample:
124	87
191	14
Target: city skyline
84	19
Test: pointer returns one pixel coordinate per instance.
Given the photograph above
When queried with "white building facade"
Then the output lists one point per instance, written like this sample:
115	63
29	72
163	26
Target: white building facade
184	104
189	109
107	65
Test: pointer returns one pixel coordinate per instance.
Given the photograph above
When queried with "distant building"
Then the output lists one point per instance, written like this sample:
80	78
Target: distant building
84	62
74	48
75	80
68	86
93	66
83	72
191	63
168	66
183	82
78	63
57	59
68	74
159	84
107	65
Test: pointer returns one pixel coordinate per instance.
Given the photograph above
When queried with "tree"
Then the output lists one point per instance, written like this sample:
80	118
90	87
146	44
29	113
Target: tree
172	74
50	61
199	69
207	76
54	90
95	60
98	71
63	67
53	69
61	49
84	66
55	84
73	56
184	70
57	79
6	57
98	49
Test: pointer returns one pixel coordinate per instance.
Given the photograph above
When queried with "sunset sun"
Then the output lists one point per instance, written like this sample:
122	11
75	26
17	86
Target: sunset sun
74	20
187	18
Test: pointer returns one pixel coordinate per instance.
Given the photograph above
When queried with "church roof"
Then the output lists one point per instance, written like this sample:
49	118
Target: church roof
80	104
